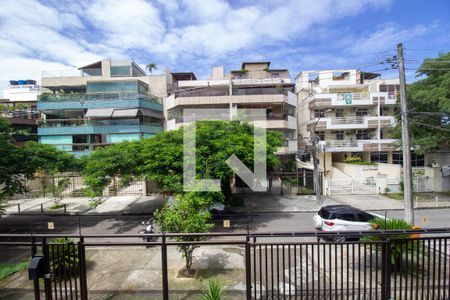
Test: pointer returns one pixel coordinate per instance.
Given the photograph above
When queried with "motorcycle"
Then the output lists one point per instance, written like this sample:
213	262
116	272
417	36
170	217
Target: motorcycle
149	229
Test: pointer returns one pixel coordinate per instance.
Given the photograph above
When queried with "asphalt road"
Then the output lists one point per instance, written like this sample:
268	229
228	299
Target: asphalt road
262	222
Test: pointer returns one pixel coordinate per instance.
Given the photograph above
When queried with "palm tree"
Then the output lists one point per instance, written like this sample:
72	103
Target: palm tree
151	67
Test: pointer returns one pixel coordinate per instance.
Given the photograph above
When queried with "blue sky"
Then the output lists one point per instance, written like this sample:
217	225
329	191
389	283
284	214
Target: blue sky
195	35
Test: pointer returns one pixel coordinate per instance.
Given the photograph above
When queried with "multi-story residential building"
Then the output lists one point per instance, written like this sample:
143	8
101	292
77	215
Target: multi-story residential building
254	86
102	103
21	96
351	112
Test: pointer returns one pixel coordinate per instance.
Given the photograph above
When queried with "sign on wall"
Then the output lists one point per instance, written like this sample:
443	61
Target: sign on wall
348	98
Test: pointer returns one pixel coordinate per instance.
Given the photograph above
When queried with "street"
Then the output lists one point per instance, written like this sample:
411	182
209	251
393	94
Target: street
130	224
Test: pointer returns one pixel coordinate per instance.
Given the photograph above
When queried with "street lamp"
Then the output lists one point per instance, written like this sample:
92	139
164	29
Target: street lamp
314	140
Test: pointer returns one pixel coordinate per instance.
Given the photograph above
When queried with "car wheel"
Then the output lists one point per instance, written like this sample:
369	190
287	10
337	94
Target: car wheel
340	239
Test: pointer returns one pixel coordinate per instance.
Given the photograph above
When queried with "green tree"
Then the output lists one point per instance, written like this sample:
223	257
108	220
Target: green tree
44	162
189	213
121	160
17	164
151	67
429	106
215	142
12	171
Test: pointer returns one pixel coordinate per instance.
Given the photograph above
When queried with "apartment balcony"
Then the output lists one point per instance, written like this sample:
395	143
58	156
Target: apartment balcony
100	100
84	126
212	100
351	99
359	145
353	122
70	77
289	147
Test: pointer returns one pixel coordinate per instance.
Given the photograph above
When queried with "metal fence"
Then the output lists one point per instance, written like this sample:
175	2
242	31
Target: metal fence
40	186
276	265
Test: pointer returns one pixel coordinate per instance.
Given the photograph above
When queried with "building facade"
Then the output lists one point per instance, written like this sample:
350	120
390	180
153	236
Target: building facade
106	102
351	112
20	111
254	86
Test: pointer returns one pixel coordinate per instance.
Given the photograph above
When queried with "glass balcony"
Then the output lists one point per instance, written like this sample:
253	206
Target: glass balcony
91	122
96	97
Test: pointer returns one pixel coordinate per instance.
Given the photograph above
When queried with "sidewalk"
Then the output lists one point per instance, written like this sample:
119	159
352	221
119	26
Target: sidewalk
260	203
80	205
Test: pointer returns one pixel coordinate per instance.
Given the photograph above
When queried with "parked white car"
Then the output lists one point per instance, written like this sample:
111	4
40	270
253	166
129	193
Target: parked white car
343	218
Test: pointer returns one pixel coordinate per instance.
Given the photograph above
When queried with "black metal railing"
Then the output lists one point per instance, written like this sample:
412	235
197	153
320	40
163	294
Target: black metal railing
395	264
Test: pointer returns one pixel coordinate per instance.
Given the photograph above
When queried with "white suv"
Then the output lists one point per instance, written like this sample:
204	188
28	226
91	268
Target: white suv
343	218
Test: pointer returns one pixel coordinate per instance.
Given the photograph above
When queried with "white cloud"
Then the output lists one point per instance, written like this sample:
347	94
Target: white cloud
386	37
194	34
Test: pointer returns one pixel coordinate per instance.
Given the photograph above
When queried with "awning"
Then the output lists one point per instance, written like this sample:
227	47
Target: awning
151	113
120	113
99	112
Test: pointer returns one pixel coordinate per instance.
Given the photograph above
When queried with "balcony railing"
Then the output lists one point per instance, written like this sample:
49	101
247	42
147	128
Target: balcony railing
96	97
73	73
341	143
91	122
235	92
347	120
355	96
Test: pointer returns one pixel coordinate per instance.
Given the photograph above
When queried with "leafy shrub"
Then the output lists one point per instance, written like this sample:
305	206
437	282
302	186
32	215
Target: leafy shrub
215	290
353	159
93	203
396	249
64	257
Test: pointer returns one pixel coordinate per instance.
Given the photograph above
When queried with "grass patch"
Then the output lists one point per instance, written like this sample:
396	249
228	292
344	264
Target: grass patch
418	196
9	269
445	193
395	196
94	203
305	191
56	206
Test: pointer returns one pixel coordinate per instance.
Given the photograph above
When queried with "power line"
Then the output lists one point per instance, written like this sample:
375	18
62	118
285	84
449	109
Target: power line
431	126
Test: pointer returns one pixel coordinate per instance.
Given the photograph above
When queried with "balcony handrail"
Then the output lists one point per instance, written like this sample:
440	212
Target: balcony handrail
347	120
72	73
341	143
355	96
46	97
92	122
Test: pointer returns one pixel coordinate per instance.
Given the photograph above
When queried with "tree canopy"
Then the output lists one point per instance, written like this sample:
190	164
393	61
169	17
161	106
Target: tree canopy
121	160
160	159
189	213
18	163
429	106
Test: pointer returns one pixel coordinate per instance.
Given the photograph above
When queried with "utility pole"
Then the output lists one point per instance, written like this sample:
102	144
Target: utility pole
314	141
407	171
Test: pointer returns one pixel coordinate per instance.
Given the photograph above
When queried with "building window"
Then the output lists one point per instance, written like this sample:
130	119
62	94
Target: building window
274	75
319	113
361	112
362	135
321	135
379	157
340	135
341	75
339	112
120	71
416	159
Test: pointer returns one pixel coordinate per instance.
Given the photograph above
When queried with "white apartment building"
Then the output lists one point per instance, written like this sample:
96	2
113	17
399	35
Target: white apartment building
352	112
254	86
